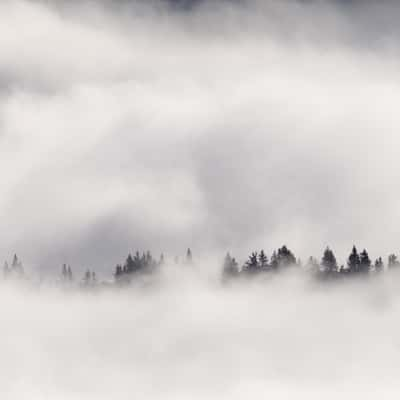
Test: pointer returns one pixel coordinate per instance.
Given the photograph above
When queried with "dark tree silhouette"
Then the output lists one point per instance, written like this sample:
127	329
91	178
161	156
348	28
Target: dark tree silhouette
251	265
328	262
263	261
365	262
285	257
353	261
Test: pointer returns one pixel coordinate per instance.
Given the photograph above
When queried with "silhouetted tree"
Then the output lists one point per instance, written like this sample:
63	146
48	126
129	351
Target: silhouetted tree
263	261
251	265
328	262
353	261
130	265
365	262
283	258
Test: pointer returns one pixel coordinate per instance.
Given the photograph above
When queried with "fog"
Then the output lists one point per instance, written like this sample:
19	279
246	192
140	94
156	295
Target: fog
184	337
215	125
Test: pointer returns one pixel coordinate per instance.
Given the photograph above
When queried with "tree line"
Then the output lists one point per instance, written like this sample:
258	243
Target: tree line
357	264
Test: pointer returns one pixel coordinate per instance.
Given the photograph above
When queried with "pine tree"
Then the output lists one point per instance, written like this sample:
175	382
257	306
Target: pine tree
365	262
328	262
263	260
251	265
353	261
285	257
129	264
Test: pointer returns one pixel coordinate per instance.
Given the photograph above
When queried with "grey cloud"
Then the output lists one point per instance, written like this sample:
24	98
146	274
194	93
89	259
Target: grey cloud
230	126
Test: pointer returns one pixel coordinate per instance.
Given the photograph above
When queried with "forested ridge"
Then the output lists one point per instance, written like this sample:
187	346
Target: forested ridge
258	263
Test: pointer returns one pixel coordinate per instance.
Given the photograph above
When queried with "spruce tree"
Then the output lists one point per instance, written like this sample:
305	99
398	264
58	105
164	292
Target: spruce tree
285	257
328	262
365	262
353	261
251	265
263	260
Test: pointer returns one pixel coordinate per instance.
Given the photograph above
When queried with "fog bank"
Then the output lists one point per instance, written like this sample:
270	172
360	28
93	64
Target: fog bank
286	336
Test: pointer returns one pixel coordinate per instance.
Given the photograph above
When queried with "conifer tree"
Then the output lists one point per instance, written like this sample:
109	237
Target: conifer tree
328	262
285	257
263	260
365	262
353	261
130	264
251	265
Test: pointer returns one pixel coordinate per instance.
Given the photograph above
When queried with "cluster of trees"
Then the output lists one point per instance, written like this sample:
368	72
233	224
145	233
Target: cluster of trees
357	263
143	264
257	262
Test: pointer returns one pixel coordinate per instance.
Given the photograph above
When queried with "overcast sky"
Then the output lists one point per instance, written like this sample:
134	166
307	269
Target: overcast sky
220	126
